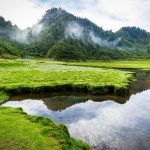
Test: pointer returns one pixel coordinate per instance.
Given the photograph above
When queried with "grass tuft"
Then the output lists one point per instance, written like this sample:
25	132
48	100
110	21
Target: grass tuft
3	96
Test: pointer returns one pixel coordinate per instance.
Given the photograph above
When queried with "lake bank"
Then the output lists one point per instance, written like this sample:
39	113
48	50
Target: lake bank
21	131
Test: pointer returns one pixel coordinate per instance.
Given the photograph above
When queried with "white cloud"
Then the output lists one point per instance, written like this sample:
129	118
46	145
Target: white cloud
117	13
110	14
24	13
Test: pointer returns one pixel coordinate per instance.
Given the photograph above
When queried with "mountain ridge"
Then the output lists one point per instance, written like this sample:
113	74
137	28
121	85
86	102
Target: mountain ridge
58	28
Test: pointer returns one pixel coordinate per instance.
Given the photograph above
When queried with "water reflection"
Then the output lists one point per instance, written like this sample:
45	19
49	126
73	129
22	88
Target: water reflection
142	82
105	125
118	126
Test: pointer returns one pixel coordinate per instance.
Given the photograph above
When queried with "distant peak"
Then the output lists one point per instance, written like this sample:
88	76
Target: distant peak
52	14
132	28
4	23
55	11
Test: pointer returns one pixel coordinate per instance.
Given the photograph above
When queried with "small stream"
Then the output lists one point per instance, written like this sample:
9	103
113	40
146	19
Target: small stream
105	122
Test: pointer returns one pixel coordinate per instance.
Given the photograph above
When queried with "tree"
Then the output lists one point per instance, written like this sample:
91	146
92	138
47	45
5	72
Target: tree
65	51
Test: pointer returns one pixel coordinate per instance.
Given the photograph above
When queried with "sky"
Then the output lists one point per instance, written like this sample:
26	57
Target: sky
109	14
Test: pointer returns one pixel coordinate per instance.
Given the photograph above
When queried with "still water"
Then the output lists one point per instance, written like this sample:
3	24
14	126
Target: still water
104	122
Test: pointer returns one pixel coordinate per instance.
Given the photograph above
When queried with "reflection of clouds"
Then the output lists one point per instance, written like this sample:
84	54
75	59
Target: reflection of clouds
118	126
102	124
32	107
70	114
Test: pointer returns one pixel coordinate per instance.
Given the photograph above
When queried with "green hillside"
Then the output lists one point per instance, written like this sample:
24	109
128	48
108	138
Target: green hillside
60	35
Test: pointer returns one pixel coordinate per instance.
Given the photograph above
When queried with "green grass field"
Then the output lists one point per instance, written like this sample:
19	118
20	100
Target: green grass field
19	131
141	64
17	76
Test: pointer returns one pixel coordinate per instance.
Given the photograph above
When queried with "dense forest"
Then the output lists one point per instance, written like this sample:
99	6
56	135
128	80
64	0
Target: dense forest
60	35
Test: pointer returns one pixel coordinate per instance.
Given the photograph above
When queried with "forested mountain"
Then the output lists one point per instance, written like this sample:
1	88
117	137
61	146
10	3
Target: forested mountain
57	24
6	28
61	35
134	38
10	47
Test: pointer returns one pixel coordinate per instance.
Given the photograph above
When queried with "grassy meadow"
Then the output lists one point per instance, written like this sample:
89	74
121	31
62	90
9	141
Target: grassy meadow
25	76
139	64
23	132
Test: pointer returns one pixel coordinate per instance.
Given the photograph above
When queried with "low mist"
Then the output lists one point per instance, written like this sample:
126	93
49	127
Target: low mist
25	35
76	31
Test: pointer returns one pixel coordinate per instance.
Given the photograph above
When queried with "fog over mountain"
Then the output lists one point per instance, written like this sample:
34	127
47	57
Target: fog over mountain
59	28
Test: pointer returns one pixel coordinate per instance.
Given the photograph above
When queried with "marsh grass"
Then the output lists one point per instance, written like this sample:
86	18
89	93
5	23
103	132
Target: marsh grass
45	76
3	96
139	64
10	63
20	131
